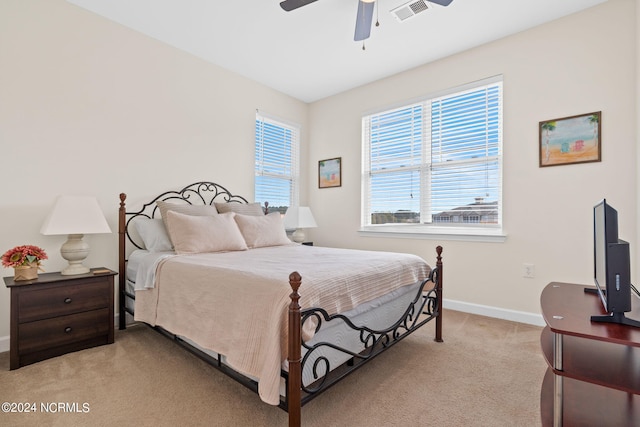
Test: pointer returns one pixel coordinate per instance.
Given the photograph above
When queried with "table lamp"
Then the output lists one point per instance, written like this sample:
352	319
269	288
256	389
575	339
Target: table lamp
75	216
299	217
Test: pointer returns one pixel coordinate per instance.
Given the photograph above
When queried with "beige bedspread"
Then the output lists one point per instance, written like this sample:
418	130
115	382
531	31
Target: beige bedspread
236	303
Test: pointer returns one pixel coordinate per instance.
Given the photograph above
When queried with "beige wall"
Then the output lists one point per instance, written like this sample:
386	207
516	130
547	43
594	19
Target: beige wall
88	106
575	65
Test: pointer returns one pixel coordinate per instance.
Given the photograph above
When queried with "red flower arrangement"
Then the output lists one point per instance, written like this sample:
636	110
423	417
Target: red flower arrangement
23	255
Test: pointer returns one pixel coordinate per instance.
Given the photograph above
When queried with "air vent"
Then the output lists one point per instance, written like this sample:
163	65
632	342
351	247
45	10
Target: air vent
409	10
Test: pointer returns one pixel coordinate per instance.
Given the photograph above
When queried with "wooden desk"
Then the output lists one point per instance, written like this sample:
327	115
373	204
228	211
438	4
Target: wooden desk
593	377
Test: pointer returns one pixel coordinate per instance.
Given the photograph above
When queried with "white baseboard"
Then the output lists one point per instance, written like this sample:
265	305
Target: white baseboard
465	307
498	313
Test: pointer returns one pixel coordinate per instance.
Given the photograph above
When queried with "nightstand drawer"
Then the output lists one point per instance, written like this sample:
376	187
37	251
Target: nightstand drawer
44	334
56	314
44	303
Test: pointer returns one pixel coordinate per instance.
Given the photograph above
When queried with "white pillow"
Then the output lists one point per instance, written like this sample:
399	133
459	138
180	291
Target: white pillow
153	234
264	230
240	208
199	234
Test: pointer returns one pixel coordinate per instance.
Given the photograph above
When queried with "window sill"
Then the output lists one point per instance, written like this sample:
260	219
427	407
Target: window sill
492	235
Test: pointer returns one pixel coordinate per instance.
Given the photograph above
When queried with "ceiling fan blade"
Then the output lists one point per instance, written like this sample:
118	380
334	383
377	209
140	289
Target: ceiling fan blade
289	5
363	20
441	2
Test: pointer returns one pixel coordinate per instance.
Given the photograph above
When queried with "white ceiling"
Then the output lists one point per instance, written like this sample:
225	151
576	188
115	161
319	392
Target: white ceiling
309	53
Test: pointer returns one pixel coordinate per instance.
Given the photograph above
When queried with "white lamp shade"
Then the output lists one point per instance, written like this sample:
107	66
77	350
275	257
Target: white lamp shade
75	215
299	217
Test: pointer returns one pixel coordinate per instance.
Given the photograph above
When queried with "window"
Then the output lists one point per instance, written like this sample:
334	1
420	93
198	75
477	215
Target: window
276	163
435	165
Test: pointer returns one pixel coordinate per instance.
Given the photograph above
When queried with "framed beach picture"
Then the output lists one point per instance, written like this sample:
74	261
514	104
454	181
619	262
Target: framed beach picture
569	140
330	173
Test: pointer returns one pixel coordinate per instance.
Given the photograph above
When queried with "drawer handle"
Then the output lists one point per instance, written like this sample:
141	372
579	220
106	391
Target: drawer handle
67	300
67	329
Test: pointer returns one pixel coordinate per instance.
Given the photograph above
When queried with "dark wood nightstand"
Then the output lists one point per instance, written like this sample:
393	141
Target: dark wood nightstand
57	314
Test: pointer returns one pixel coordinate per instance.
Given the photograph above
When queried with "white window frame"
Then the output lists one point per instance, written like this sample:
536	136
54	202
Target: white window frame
286	168
427	228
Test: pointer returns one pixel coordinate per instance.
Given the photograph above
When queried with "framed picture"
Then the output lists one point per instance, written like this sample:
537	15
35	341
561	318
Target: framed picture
330	173
569	140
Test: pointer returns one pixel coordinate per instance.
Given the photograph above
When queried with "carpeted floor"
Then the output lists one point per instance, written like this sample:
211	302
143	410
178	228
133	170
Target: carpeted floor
488	372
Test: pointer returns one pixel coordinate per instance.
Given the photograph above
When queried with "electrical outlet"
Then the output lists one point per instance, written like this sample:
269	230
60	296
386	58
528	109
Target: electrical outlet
528	271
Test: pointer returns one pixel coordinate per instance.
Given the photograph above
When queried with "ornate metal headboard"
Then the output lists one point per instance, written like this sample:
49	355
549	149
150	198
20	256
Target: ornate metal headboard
198	193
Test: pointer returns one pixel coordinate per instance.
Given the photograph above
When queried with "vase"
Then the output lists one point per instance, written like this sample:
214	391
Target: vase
25	272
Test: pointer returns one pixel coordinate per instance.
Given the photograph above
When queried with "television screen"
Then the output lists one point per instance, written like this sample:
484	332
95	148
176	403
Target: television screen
611	262
605	230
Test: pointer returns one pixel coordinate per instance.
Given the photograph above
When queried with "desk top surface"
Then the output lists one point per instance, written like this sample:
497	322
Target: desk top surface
57	277
567	309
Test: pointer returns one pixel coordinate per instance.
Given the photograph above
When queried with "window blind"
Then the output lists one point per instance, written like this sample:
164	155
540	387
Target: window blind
276	163
436	161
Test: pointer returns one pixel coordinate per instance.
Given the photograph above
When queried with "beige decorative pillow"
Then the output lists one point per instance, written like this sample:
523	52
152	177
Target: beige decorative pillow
240	208
185	208
199	234
261	231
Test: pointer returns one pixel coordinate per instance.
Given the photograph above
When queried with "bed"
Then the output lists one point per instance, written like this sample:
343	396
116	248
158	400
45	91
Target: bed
219	276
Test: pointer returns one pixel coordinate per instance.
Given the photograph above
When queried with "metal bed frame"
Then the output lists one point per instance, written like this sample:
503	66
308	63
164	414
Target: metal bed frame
426	306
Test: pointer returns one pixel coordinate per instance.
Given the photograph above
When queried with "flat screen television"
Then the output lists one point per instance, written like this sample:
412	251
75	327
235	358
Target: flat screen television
612	271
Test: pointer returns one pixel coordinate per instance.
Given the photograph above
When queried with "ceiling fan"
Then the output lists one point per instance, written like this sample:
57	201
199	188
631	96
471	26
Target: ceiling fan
364	18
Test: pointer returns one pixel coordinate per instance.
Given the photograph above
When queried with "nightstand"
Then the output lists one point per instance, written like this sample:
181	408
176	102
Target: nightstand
307	243
57	314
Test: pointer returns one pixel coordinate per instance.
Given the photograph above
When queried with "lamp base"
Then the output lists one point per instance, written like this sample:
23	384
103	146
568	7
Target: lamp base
74	250
73	269
298	236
